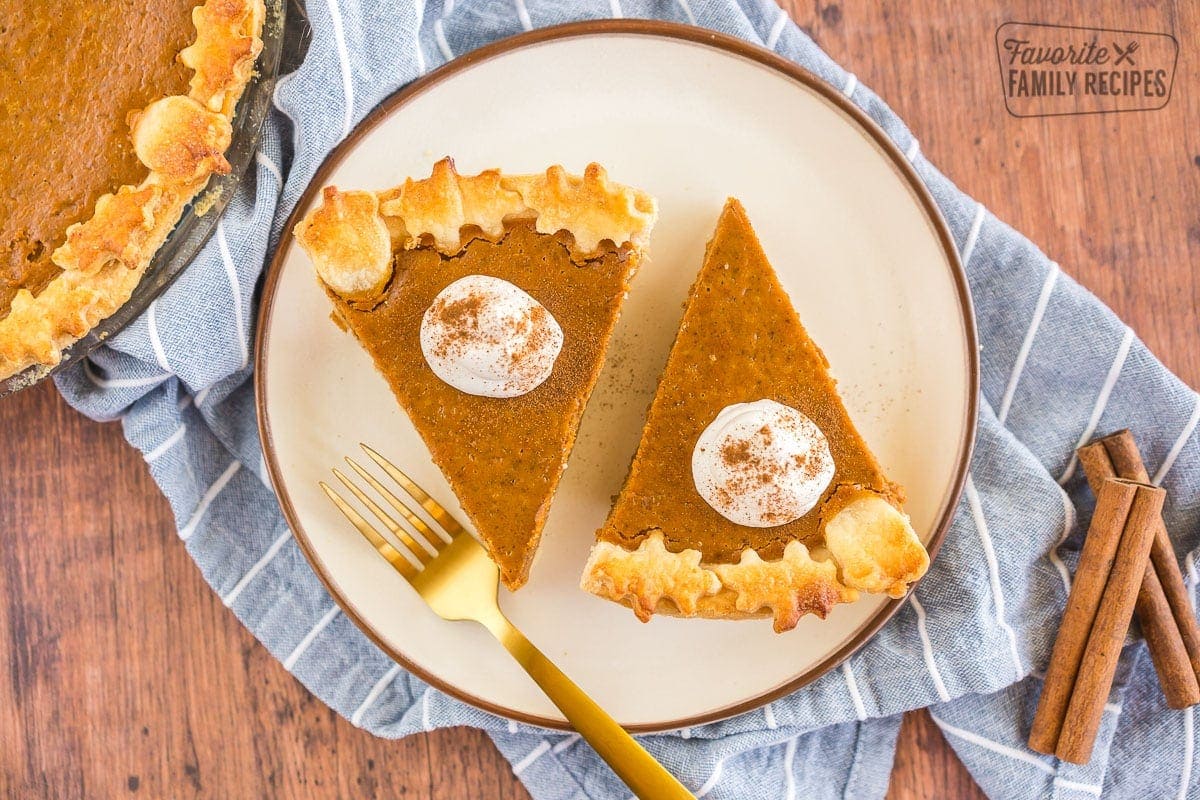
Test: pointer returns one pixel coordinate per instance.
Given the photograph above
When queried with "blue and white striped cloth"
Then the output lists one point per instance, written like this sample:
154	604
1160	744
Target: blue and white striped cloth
1057	368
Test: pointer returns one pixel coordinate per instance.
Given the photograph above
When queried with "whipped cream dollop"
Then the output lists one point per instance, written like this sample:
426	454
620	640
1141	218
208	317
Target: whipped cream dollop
485	336
762	464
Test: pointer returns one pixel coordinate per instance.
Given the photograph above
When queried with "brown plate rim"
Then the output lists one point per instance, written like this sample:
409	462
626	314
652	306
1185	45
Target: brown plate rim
669	30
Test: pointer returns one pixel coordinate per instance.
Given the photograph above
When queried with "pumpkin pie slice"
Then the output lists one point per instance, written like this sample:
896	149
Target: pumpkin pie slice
751	492
487	303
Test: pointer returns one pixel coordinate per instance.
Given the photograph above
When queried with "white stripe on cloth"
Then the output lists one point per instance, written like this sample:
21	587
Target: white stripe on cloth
417	36
1077	787
1110	380
989	552
851	85
187	530
202	395
776	30
852	686
614	9
534	754
1189	720
1189	746
1113	708
279	84
523	15
1035	322
927	646
988	744
769	717
119	383
1068	524
913	150
262	562
426	723
235	292
687	9
439	33
309	638
166	444
160	354
713	779
263	159
339	38
973	234
373	695
1184	435
565	743
789	756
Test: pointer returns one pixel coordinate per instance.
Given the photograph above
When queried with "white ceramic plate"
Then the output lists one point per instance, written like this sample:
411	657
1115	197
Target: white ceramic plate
691	118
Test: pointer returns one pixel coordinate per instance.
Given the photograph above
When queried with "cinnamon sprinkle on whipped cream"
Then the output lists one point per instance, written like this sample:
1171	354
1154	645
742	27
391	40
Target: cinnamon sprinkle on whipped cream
762	464
488	337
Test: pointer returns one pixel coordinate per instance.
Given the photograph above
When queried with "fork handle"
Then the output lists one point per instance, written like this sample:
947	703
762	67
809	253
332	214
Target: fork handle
648	779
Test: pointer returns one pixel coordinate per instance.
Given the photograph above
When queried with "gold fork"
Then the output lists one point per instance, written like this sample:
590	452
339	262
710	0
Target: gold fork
460	582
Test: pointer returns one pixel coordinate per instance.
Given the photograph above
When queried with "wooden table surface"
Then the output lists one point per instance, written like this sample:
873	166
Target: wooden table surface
126	674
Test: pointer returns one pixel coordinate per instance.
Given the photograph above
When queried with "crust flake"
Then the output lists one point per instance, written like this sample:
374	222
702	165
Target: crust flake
349	243
121	229
795	585
645	576
590	207
228	41
442	204
875	545
181	141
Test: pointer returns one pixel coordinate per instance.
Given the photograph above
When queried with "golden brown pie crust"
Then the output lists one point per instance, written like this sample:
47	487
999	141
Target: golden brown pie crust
874	547
351	235
181	140
663	549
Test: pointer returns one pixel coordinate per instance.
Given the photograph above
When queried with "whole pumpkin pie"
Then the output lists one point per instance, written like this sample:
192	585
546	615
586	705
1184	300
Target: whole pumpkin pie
751	492
487	303
113	117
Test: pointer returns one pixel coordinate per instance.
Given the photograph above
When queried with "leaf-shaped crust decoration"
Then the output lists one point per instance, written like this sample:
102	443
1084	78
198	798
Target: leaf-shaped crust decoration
645	576
875	545
795	585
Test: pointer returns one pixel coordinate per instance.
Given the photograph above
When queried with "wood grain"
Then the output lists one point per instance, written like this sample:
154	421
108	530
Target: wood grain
127	677
126	674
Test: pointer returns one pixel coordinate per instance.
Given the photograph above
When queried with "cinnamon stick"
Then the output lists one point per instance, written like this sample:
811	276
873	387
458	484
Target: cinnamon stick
1172	635
1099	664
1113	503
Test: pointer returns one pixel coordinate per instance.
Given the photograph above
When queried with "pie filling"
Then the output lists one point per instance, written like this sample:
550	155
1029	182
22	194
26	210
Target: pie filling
740	360
511	469
72	74
510	450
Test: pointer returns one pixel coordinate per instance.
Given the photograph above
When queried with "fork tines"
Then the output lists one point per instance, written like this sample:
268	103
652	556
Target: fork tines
426	541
